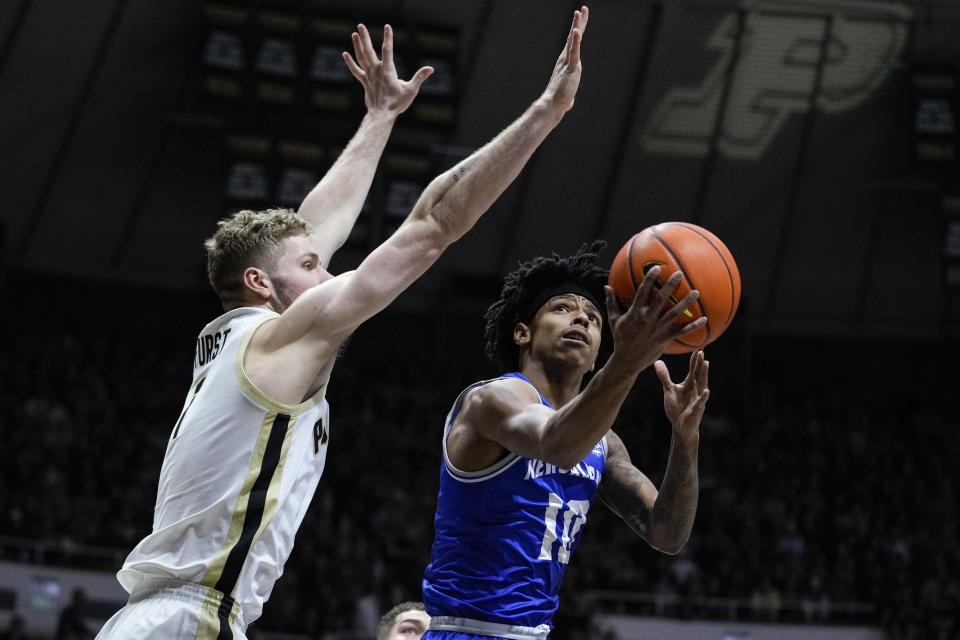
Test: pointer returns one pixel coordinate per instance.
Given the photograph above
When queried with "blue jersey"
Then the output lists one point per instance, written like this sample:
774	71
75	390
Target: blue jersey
504	535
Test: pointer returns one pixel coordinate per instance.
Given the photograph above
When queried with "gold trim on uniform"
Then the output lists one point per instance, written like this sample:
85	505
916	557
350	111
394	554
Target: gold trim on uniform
209	627
258	396
273	490
240	511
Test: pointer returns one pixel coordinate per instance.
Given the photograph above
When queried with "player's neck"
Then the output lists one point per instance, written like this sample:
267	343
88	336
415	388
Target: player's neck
557	385
258	304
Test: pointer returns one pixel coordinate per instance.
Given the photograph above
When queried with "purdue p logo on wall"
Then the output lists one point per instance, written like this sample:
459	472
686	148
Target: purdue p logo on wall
780	48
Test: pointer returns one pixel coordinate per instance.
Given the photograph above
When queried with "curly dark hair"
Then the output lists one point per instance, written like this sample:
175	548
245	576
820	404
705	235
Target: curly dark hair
520	288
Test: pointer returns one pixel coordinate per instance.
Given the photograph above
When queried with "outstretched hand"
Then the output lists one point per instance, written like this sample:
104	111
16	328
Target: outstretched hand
383	90
643	330
563	84
684	403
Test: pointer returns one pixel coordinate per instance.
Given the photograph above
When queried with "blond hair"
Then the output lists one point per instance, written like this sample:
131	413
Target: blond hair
247	239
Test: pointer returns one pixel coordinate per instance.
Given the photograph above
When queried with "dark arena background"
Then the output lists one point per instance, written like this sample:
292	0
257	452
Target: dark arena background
817	138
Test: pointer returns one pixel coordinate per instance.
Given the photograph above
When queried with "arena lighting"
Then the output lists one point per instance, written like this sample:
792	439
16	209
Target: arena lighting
273	69
223	57
231	15
326	65
224	50
294	184
249	146
277	63
224	54
277	57
275	93
266	171
935	110
407	163
283	57
299	151
439	41
247	182
223	87
437	104
335	30
280	22
331	84
407	172
439	114
331	100
276	66
402	194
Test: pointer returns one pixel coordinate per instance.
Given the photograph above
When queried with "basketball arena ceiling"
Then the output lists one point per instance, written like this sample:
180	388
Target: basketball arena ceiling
817	138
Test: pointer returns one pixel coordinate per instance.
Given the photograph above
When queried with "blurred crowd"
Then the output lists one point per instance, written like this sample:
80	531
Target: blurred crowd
809	502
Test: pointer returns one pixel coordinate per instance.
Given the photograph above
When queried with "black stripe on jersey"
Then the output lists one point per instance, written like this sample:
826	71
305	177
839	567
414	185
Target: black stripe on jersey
223	614
255	505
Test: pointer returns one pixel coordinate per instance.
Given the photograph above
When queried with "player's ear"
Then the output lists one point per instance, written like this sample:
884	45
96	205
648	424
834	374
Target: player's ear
257	281
521	334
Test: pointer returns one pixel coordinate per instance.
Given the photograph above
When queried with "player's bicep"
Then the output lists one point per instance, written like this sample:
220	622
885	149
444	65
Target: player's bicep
509	413
331	311
625	489
382	276
301	326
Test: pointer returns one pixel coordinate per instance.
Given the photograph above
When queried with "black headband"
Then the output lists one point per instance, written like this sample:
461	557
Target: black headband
530	309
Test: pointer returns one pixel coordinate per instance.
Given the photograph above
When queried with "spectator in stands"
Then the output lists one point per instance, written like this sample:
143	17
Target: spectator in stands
71	625
15	630
765	601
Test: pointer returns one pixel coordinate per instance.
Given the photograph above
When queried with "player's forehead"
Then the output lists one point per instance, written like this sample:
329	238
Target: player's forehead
298	241
412	616
297	246
575	299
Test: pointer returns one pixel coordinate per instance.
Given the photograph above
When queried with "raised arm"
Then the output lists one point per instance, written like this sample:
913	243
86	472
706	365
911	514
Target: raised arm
333	205
663	518
308	333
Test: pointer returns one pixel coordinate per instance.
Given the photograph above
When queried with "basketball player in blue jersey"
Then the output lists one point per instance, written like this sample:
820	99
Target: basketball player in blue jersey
246	454
526	454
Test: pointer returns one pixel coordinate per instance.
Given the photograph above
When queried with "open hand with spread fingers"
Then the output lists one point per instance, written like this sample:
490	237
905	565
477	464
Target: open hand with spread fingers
642	331
684	403
383	90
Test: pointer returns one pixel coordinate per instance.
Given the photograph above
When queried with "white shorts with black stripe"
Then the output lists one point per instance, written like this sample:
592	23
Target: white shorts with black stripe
173	610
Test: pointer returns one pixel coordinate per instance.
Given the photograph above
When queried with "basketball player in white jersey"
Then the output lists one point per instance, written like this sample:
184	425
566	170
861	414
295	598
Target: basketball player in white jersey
247	451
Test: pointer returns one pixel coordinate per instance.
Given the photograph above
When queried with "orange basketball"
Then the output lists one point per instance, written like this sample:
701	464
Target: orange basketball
706	264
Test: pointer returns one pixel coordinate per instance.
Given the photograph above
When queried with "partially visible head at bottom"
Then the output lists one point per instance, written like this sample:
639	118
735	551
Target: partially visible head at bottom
406	621
550	308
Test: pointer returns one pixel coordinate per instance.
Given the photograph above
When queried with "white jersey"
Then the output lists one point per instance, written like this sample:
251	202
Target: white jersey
237	478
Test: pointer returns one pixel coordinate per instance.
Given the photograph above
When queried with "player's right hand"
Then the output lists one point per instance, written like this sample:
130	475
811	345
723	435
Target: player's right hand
642	331
563	84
